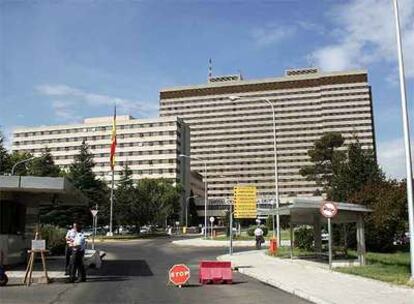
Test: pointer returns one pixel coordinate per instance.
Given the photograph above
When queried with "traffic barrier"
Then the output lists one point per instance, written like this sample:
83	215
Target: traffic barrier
273	246
215	272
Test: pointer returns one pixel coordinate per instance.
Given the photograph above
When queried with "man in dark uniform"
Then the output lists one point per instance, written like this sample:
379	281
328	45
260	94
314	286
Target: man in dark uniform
70	237
76	265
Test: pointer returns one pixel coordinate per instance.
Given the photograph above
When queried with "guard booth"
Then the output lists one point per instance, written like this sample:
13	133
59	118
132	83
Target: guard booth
307	211
20	200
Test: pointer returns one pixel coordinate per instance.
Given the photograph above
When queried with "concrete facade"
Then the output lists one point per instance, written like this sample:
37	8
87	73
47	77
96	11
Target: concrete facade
236	137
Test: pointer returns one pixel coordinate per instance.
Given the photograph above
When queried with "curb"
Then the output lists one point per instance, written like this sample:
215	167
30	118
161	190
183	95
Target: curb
214	243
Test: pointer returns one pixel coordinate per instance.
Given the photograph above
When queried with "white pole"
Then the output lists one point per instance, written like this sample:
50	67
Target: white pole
330	242
276	177
231	228
406	129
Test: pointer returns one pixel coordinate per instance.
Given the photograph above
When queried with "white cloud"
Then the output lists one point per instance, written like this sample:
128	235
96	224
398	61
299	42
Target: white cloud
391	157
364	33
270	35
66	99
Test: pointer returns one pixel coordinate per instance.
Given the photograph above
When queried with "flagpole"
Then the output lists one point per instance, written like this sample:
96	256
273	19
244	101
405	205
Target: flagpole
112	164
112	205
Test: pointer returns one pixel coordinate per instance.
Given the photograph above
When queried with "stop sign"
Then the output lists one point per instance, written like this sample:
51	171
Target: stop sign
179	274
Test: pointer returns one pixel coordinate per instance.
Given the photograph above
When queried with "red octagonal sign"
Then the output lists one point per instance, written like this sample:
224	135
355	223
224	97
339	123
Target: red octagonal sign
179	274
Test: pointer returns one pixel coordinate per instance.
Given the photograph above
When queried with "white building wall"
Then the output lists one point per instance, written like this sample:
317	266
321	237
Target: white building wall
236	137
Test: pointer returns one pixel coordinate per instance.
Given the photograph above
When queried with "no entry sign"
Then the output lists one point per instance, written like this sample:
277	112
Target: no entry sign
329	209
179	274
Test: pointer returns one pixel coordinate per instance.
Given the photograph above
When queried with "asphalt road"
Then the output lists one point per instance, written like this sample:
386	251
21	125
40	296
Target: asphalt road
137	272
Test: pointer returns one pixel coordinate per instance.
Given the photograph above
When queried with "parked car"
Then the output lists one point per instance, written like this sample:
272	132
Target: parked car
403	239
145	229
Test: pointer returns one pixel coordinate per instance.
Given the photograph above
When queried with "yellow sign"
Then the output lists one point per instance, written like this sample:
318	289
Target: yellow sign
245	202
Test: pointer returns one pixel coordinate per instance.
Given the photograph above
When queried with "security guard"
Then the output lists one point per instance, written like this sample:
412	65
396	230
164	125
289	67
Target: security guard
76	260
70	237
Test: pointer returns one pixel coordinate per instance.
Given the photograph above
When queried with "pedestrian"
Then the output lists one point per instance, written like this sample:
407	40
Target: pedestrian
258	233
70	237
77	267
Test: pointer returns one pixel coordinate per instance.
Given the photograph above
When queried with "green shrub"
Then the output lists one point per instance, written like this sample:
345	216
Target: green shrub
304	238
251	229
55	238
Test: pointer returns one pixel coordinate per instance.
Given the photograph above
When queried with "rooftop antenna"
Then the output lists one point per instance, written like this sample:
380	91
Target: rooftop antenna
210	69
240	74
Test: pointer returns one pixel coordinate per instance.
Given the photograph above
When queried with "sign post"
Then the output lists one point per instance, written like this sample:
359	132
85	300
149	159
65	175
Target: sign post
211	221
94	224
329	210
179	274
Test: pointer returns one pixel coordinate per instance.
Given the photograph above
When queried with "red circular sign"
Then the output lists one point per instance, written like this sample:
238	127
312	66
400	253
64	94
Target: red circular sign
179	274
329	209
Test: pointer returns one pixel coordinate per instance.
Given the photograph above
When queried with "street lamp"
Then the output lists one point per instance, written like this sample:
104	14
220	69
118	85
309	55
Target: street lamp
205	190
234	98
406	129
186	208
22	162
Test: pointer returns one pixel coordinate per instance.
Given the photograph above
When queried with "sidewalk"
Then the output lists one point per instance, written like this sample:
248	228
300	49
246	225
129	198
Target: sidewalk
55	266
317	284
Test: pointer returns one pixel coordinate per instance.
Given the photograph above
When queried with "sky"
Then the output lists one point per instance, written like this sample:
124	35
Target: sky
62	61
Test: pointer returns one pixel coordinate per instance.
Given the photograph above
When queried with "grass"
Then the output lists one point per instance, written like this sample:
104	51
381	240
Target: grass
284	252
388	267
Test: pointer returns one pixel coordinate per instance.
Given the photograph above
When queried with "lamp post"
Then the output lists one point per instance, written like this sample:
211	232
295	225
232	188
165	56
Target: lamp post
205	190
406	129
234	98
186	208
22	162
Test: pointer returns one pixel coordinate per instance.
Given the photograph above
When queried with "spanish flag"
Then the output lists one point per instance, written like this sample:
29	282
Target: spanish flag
113	141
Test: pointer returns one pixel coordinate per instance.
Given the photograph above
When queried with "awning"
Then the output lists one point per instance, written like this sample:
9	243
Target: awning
42	190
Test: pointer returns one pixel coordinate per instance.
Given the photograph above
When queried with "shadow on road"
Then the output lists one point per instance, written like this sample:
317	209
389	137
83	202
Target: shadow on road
122	268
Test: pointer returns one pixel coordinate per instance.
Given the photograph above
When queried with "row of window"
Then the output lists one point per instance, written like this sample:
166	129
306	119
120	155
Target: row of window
75	150
190	117
146	172
304	115
95	137
216	107
258	138
223	131
199	124
94	129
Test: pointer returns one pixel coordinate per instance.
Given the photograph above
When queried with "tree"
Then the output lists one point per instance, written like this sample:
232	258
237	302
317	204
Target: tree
193	219
4	156
84	179
43	166
359	169
125	198
388	200
326	159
